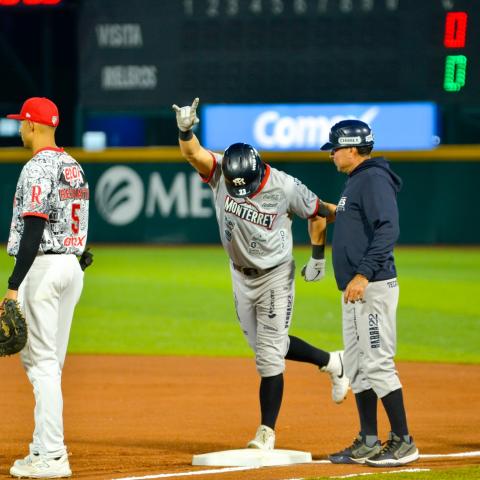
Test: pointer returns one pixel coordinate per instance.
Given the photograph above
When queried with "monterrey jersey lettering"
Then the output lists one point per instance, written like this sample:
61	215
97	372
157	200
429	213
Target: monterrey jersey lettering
247	211
256	231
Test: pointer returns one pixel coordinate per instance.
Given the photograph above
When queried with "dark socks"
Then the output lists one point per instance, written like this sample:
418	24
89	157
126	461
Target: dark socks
271	393
367	411
393	404
301	351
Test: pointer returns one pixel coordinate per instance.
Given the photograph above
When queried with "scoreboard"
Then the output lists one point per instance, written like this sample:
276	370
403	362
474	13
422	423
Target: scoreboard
150	53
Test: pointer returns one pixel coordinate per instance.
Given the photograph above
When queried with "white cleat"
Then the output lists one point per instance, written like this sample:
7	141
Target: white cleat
264	439
25	461
41	467
340	383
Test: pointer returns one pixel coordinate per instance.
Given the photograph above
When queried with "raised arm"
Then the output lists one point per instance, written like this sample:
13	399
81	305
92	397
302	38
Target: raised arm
200	158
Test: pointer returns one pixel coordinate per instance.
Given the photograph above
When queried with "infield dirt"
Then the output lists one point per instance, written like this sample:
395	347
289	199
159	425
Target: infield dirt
144	415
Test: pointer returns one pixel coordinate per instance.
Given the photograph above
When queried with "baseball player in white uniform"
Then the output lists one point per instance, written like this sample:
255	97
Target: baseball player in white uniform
255	204
47	233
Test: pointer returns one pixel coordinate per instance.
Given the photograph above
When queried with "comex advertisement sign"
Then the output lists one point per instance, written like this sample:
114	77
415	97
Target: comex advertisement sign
396	126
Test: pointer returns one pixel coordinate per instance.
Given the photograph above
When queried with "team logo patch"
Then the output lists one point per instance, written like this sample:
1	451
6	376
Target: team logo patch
249	212
269	205
341	204
36	192
72	175
274	197
238	181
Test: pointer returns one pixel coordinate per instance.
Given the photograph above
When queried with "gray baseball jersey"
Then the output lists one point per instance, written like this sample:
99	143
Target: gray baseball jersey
52	185
256	231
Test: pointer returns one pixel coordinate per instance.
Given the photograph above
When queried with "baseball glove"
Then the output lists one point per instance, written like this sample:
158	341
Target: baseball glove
86	259
13	328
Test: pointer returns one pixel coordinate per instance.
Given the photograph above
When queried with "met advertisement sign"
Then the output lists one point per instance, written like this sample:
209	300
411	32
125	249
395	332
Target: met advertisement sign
304	127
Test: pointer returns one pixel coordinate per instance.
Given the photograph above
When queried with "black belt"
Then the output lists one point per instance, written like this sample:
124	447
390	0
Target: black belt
251	271
52	253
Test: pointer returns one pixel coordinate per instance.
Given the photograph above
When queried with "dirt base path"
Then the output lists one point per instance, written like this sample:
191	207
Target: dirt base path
135	416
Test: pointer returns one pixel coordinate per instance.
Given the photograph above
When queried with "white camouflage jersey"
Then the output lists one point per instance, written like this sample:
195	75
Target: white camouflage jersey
257	231
52	185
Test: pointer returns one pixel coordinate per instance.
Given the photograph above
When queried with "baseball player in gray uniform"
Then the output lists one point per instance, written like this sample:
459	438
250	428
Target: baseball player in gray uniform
366	229
47	233
254	204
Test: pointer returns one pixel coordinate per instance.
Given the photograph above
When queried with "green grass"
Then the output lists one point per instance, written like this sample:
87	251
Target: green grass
460	473
156	300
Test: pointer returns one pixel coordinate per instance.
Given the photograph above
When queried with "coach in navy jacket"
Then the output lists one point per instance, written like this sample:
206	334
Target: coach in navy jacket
366	229
366	224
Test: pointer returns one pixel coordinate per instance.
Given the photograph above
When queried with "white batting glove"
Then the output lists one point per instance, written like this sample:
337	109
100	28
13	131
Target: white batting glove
186	116
314	270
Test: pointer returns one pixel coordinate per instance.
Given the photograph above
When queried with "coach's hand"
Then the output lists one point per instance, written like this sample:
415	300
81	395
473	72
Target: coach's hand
314	270
355	290
186	116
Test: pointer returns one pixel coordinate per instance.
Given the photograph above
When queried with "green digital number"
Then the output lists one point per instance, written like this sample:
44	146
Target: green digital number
455	73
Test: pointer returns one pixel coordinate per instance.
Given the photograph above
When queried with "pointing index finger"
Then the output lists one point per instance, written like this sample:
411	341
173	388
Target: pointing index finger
195	103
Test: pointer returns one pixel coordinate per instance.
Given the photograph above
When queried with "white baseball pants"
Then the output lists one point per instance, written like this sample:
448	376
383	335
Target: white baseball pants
48	296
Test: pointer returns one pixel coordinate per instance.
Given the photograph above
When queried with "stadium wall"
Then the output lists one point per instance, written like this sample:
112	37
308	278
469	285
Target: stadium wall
151	195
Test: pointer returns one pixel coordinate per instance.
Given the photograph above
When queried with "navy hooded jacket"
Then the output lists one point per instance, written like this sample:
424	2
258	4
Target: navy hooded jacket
366	224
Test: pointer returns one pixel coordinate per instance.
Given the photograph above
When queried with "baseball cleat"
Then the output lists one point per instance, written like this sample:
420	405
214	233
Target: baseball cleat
395	453
41	467
358	452
340	383
264	439
25	461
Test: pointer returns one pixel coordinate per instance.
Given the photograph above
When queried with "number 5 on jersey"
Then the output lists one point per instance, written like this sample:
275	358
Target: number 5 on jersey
75	218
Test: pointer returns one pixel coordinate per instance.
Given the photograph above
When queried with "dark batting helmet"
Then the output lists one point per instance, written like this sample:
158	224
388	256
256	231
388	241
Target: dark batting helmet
349	133
242	169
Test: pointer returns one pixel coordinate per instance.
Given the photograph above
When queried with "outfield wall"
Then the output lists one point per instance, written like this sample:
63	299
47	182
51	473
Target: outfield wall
153	195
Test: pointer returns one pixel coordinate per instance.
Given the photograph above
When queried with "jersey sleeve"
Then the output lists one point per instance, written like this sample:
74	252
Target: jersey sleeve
216	172
36	189
302	201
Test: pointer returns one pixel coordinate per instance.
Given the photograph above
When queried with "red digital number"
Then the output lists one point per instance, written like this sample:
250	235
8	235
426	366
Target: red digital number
75	218
455	30
11	3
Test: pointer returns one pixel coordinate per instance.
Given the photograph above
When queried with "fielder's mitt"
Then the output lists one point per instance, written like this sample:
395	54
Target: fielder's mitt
13	328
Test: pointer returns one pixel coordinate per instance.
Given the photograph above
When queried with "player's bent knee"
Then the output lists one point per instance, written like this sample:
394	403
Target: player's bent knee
270	371
384	382
270	368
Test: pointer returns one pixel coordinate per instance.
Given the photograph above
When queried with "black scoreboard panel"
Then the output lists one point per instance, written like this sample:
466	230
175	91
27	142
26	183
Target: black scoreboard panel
148	53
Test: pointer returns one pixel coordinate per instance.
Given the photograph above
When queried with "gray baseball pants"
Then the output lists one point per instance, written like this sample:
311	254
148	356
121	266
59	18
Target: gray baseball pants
264	306
370	339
